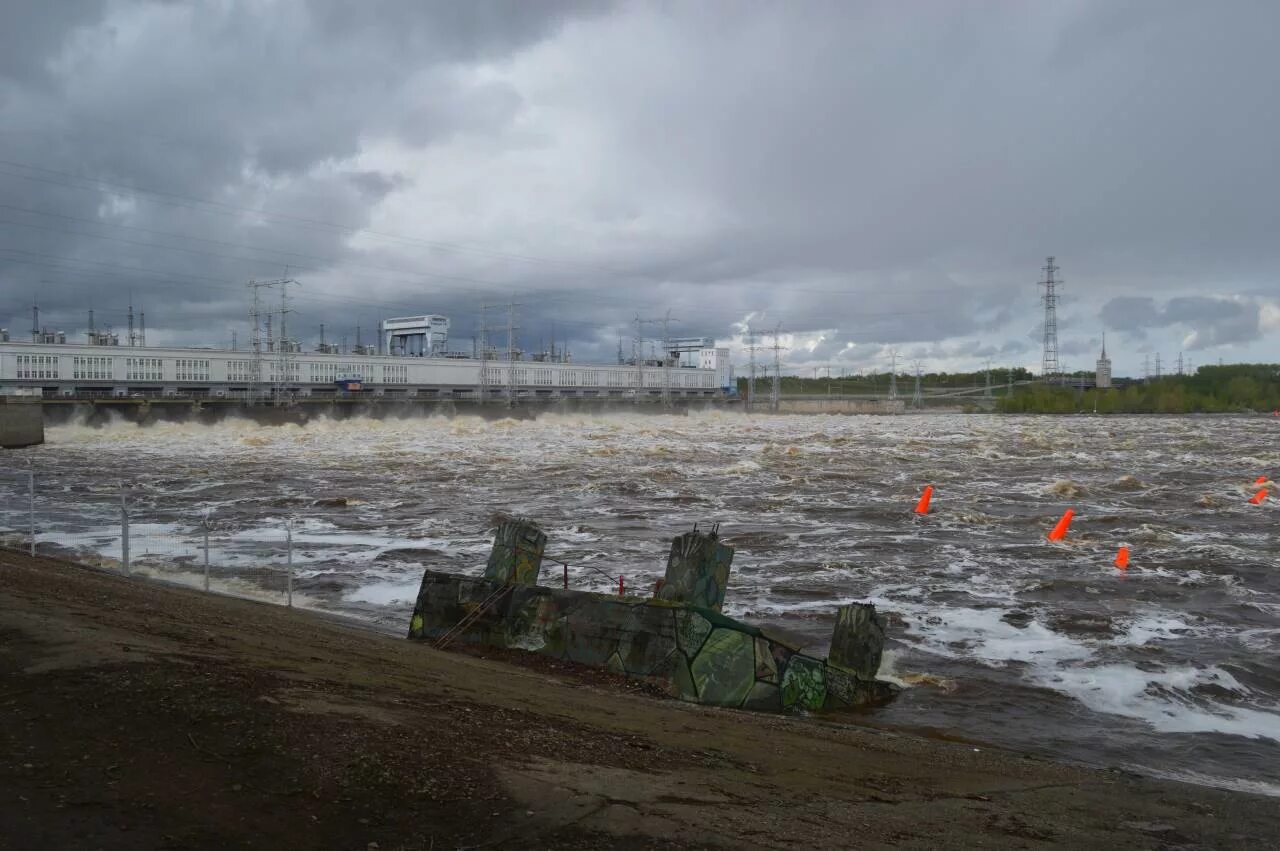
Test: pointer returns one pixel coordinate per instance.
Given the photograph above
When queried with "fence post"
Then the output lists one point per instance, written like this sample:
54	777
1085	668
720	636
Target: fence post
206	553
124	529
622	585
288	538
31	505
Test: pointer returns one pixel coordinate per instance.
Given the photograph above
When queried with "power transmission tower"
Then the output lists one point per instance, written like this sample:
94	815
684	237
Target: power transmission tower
986	394
483	332
916	399
775	396
637	352
638	346
255	339
751	338
511	353
666	359
287	361
1157	366
1049	361
1179	363
893	375
257	313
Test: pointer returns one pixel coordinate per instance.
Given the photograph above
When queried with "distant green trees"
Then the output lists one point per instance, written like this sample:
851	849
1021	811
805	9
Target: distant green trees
1211	389
878	383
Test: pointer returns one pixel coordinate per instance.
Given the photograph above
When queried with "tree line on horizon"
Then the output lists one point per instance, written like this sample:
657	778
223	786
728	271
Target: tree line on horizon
1230	388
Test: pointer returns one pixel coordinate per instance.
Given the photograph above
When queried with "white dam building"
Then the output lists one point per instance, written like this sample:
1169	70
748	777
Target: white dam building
57	369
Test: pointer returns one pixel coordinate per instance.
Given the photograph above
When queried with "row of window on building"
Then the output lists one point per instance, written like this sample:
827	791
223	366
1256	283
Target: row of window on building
144	369
191	369
90	368
37	366
97	368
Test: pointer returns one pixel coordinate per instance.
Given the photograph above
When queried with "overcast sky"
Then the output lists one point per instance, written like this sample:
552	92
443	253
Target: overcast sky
871	176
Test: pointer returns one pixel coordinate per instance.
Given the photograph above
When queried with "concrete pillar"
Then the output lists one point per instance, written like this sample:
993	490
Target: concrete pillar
697	570
516	557
857	643
21	423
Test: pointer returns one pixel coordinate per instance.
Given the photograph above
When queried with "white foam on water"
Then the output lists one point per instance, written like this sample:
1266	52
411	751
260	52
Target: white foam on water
229	585
385	593
980	634
1155	627
1164	699
1234	784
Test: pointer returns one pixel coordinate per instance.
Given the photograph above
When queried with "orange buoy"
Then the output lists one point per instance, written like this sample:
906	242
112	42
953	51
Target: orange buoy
1258	497
922	507
1122	558
1060	531
1260	480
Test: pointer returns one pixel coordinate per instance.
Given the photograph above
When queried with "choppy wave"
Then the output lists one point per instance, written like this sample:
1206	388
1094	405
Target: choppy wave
819	510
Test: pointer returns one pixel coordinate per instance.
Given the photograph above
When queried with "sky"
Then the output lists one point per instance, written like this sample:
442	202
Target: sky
861	179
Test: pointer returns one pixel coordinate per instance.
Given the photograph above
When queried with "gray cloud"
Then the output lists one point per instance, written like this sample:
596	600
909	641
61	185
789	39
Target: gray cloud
600	161
1209	321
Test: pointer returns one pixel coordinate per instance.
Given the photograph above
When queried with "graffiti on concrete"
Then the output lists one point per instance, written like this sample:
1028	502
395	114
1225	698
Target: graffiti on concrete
696	653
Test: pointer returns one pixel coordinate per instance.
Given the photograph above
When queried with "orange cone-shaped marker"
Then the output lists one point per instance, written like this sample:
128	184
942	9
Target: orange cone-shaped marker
1122	558
1060	531
1258	497
922	507
1259	480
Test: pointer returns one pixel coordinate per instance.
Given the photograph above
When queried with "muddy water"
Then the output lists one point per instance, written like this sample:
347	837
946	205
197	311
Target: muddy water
1171	668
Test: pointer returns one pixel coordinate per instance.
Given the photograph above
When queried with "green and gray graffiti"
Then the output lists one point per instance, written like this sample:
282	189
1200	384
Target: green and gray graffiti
694	651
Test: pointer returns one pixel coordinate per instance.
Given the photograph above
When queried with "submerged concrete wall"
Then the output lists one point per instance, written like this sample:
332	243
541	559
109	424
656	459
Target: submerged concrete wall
21	423
839	405
695	653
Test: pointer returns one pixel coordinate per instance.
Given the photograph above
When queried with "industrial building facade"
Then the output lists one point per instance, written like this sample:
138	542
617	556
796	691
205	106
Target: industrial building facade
69	370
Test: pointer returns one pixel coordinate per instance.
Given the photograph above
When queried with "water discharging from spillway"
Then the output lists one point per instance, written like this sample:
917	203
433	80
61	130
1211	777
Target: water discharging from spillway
1171	668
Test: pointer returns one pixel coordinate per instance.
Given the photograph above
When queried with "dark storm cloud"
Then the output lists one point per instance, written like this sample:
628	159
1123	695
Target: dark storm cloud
870	174
247	105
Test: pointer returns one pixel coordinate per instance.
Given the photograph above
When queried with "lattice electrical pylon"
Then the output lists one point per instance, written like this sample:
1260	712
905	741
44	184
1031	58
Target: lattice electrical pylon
775	394
893	376
1049	360
750	338
916	399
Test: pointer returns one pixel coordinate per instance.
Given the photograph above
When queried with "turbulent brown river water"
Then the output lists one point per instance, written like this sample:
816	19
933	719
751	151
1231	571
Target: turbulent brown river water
1172	668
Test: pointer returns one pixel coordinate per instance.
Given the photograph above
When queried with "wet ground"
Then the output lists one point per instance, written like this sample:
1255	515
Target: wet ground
135	714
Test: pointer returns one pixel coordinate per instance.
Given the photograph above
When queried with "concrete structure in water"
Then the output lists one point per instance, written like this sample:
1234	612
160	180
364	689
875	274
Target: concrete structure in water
21	422
677	639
